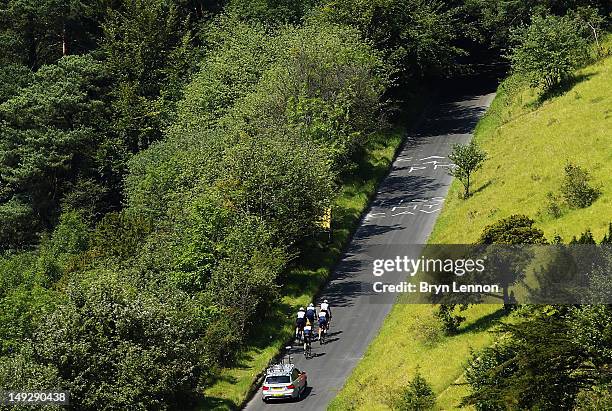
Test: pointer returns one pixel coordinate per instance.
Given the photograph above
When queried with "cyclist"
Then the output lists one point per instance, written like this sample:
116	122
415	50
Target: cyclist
300	321
310	313
325	307
322	324
307	335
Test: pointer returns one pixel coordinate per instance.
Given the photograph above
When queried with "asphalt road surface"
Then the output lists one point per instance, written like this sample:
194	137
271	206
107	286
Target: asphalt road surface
404	212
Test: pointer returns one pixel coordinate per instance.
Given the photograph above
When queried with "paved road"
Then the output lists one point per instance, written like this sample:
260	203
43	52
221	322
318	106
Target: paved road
403	212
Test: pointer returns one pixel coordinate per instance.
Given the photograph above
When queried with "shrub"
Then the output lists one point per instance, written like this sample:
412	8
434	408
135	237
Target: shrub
121	346
516	229
607	239
575	188
552	207
19	370
430	330
595	399
584	238
449	319
418	396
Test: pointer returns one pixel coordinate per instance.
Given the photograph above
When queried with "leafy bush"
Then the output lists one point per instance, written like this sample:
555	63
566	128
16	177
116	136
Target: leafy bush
516	229
575	188
595	399
450	321
552	207
418	396
584	238
429	329
21	371
120	346
21	312
549	50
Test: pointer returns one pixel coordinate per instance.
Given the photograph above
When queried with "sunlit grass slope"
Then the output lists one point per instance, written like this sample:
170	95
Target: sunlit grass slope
528	145
409	338
528	140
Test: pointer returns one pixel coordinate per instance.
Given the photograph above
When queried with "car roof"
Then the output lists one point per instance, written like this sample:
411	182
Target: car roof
280	369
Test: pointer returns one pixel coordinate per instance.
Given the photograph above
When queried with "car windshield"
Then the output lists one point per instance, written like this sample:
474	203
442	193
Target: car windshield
278	379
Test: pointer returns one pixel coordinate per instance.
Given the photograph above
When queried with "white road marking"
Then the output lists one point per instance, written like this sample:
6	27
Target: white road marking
430	212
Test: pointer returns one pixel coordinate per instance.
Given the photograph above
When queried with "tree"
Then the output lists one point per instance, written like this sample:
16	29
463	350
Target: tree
324	88
607	239
286	183
418	396
593	22
548	51
237	56
270	12
467	159
40	33
49	137
148	49
543	360
506	264
418	37
122	346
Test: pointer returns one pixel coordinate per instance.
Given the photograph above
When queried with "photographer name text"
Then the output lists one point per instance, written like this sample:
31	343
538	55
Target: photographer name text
437	289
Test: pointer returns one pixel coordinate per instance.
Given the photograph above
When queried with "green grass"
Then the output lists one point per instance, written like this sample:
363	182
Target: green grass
311	271
528	145
409	338
528	140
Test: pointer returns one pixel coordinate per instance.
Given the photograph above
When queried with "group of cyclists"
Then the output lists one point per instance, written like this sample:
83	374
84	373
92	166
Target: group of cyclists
304	324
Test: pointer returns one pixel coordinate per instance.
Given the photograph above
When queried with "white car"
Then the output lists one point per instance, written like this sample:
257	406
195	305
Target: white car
283	381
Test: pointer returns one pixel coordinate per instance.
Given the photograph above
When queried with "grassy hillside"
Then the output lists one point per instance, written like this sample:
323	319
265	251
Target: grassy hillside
528	142
411	337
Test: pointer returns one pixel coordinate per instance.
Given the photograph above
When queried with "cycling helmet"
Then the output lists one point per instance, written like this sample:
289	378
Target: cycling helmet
311	305
301	309
325	301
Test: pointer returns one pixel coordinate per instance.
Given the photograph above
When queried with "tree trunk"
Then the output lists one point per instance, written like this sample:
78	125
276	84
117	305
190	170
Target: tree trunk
596	39
31	38
64	41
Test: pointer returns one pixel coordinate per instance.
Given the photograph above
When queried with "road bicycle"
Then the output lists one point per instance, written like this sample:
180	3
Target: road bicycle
299	337
323	335
307	348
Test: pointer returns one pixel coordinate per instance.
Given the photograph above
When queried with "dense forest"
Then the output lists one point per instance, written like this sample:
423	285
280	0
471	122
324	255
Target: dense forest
162	163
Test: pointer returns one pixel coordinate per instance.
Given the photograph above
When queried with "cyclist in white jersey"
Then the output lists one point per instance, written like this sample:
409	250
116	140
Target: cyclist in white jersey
322	323
325	307
307	334
300	321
